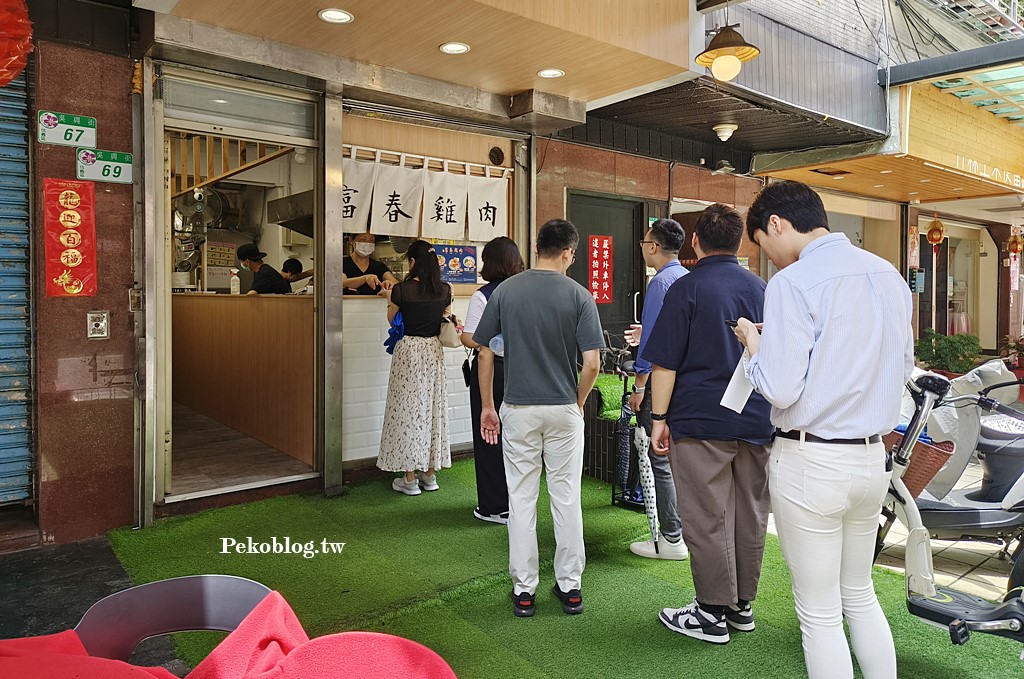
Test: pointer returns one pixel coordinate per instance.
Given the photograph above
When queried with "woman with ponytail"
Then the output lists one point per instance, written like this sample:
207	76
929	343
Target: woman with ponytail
415	433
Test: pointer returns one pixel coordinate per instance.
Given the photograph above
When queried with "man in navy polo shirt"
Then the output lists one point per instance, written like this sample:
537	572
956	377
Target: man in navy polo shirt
719	457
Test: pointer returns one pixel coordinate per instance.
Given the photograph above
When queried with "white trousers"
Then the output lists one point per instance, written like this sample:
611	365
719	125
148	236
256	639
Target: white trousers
826	499
551	437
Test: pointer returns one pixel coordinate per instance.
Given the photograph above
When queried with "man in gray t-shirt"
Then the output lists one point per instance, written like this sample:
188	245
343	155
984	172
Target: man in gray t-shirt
545	319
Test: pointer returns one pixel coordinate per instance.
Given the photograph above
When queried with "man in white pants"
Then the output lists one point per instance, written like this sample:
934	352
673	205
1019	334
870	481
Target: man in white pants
545	318
832	359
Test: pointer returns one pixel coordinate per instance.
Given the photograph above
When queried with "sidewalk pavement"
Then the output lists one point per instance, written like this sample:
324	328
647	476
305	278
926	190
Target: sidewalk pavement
47	590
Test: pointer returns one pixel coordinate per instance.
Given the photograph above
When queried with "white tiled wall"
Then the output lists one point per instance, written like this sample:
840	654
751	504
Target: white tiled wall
366	366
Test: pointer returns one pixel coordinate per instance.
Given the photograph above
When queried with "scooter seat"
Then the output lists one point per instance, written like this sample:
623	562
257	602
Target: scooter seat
957	517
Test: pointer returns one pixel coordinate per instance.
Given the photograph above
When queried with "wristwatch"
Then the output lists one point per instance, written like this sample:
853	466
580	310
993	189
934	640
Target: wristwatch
658	417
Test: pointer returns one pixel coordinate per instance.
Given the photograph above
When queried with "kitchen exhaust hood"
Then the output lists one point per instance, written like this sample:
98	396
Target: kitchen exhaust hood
293	212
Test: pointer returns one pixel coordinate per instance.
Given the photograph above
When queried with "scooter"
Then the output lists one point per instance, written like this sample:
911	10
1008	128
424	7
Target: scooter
958	612
998	441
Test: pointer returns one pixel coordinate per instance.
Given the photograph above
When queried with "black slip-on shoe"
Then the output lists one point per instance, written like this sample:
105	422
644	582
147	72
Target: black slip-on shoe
572	601
522	605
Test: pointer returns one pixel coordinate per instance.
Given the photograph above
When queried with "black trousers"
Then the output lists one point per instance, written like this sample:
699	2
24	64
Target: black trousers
491	489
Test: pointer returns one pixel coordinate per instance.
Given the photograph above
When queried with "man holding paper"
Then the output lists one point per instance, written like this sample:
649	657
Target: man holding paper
718	455
830	307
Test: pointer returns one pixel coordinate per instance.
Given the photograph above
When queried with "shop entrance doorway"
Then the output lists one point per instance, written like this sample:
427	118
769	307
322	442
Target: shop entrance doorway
617	276
238	403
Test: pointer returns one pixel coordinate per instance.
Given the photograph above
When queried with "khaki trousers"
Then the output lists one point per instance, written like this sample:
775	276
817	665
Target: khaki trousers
549	438
722	491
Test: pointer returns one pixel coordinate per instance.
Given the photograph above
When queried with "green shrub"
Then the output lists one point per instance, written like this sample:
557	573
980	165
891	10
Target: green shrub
953	353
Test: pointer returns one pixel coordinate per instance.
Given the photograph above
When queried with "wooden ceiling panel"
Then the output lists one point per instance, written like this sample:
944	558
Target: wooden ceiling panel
900	179
507	48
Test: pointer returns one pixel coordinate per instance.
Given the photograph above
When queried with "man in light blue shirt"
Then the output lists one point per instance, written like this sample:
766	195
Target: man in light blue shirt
832	358
660	249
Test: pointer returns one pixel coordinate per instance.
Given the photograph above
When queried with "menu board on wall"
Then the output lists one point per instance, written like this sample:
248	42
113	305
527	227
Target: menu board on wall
219	253
457	262
600	256
69	218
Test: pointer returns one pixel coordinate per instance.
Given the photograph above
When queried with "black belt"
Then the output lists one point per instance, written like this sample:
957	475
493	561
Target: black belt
795	436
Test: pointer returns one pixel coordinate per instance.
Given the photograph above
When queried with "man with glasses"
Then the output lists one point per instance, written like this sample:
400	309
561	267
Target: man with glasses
660	250
545	318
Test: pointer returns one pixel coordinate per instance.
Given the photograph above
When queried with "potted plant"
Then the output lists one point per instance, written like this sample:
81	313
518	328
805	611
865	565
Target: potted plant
1012	349
952	355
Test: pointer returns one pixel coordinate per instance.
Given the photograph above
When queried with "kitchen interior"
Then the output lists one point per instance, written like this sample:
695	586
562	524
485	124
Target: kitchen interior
242	366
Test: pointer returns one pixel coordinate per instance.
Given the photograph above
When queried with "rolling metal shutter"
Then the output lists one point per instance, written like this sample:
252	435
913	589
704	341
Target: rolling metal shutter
15	309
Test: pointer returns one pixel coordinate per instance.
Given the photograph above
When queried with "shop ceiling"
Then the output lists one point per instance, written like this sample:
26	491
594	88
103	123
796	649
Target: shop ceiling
691	109
604	47
960	140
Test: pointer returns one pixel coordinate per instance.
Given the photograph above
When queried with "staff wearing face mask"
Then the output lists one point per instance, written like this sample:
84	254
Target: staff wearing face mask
362	275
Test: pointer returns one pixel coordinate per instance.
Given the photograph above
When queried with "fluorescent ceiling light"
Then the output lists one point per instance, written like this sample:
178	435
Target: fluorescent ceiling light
885	172
335	16
551	73
879	186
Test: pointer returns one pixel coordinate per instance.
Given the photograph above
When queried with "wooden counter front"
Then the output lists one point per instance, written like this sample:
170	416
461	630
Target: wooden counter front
247	362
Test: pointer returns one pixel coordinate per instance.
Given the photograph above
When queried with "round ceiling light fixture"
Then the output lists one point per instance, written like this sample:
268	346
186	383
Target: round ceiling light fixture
335	16
725	130
454	48
551	73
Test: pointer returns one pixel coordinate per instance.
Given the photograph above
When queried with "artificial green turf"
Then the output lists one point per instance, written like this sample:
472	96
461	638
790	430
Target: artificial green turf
424	568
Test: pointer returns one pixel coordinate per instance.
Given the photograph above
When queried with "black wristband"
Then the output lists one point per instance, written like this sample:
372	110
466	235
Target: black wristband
658	418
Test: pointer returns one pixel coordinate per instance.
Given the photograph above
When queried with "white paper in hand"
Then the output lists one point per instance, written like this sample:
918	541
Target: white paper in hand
738	391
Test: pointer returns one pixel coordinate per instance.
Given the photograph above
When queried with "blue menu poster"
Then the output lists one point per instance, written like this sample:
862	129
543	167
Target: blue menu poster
457	262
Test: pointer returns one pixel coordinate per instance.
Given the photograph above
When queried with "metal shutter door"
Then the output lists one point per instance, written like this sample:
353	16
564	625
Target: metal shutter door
15	310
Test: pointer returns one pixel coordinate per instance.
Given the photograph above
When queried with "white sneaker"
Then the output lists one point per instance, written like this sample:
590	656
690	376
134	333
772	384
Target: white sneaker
666	550
501	518
427	482
407	487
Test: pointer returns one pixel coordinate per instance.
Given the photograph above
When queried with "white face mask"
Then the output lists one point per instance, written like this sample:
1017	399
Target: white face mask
364	249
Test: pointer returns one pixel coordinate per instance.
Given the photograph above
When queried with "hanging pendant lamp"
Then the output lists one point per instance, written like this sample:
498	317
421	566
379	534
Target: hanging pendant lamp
726	53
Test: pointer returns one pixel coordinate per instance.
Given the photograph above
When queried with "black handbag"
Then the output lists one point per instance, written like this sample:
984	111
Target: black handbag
467	370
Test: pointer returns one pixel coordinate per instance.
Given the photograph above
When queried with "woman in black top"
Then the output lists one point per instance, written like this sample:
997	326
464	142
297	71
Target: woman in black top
362	275
415	431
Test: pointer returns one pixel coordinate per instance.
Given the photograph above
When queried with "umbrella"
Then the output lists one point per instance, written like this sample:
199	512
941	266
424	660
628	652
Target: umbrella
643	442
622	429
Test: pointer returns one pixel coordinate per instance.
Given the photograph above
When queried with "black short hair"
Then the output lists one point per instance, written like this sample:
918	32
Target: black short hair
556	236
501	259
291	265
668	234
719	229
793	201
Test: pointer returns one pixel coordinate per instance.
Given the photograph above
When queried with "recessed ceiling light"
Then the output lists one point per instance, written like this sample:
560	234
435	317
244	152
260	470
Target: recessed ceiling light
219	101
959	188
925	181
885	172
335	16
879	186
839	177
454	48
551	73
911	193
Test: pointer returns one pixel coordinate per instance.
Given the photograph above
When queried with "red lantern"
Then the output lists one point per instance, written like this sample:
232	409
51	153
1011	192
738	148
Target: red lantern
1013	245
15	39
936	233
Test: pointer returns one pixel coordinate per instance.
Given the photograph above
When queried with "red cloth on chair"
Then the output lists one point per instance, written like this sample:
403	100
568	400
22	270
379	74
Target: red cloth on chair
60	656
271	644
257	646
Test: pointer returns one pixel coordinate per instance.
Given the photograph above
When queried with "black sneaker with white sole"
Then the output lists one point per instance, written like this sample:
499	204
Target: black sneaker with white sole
572	601
740	617
693	621
523	605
